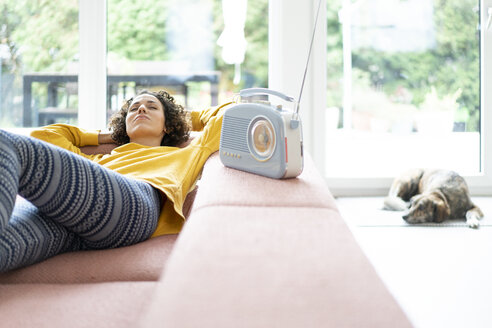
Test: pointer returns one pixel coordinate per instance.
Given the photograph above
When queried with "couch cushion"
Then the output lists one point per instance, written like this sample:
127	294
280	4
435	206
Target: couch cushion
221	185
99	149
80	305
270	267
141	262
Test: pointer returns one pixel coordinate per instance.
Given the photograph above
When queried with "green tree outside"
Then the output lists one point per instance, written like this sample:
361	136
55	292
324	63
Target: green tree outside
451	65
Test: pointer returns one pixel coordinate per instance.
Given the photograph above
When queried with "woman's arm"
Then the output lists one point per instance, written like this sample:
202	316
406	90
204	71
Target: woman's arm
199	119
210	137
67	136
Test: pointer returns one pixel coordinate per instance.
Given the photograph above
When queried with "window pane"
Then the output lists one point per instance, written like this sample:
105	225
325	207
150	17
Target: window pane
174	47
404	86
38	56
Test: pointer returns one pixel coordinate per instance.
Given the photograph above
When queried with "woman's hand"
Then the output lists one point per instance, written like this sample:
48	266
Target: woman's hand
105	138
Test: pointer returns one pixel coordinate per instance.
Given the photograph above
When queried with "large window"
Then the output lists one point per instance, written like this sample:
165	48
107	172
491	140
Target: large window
391	83
164	44
403	86
380	72
39	43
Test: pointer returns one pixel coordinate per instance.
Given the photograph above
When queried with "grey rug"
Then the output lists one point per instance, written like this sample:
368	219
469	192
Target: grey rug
368	212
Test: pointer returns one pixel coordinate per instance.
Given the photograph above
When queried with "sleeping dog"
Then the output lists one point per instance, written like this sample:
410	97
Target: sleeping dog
432	196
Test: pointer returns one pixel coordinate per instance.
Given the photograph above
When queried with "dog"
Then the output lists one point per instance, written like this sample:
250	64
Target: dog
432	196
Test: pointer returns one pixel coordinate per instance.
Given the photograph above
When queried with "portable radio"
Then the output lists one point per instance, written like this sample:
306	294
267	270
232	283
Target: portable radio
262	138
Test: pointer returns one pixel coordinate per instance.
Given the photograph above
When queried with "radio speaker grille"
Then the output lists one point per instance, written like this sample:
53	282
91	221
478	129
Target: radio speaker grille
235	133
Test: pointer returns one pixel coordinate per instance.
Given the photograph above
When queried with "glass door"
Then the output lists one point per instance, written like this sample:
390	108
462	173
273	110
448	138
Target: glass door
403	87
201	52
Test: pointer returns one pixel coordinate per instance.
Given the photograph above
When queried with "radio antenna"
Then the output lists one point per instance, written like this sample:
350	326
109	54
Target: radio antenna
309	56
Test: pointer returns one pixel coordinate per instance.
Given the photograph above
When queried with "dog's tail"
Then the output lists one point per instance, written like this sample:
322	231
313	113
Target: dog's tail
392	203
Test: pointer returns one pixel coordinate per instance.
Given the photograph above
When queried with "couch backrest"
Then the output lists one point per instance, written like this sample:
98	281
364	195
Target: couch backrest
259	252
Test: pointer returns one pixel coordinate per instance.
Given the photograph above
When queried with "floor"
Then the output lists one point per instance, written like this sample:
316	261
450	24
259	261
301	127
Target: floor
441	274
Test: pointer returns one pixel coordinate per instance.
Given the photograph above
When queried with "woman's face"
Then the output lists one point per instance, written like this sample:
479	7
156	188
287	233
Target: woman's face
145	119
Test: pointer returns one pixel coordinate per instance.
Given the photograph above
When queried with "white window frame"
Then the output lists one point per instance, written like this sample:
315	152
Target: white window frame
291	25
92	64
482	184
289	34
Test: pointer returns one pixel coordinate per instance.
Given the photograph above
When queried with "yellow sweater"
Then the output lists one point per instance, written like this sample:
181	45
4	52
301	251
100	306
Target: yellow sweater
171	170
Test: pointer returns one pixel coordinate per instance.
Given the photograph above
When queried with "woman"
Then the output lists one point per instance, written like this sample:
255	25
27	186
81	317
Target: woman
101	201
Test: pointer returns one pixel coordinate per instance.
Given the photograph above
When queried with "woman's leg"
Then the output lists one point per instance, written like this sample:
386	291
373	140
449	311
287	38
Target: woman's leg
29	238
102	207
9	181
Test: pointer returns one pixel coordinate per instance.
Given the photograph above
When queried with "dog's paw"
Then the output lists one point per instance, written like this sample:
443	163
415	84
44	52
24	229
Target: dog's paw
394	204
473	222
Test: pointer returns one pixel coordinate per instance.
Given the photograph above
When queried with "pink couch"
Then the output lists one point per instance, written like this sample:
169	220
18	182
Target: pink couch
254	252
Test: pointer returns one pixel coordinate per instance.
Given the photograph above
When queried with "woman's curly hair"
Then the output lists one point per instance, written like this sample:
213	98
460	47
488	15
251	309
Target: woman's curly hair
176	121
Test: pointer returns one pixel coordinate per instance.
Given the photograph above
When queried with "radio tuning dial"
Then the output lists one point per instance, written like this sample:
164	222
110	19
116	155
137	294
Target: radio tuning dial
262	139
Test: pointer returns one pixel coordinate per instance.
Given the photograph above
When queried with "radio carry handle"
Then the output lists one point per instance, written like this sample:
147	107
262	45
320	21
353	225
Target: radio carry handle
264	91
294	122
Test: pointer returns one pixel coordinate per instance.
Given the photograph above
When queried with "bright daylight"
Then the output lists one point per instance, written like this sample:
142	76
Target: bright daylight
246	163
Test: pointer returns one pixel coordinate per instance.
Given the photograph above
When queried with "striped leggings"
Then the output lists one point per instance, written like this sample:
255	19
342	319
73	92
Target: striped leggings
68	203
